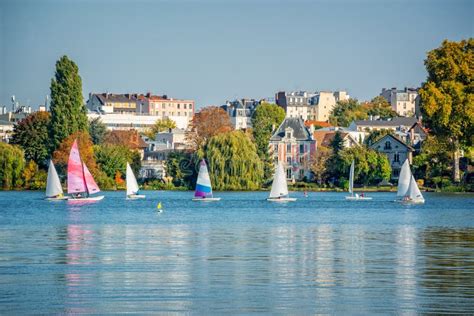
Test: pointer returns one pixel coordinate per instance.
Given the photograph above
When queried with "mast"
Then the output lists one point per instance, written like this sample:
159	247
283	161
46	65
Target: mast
351	179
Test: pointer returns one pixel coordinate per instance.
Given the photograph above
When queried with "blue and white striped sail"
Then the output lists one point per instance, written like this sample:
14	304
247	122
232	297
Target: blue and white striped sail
203	183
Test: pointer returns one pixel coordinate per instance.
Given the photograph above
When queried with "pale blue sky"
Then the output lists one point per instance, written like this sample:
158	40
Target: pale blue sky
211	51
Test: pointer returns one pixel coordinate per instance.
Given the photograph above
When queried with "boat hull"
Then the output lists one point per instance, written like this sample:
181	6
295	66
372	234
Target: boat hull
63	198
136	197
207	199
86	199
360	198
410	202
282	200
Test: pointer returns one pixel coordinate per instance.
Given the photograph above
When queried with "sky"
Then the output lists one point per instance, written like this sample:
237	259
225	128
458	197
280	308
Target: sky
212	51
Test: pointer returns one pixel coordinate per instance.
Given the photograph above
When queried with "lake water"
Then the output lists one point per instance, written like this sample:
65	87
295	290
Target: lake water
243	254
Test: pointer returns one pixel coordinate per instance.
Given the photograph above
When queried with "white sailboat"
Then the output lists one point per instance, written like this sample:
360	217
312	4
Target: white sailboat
203	190
54	191
132	185
408	191
279	191
354	197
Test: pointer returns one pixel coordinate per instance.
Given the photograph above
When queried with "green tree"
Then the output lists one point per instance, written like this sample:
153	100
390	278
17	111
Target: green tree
160	126
32	135
233	162
344	112
265	119
337	144
434	160
380	107
318	164
447	97
113	158
12	162
182	166
68	113
97	131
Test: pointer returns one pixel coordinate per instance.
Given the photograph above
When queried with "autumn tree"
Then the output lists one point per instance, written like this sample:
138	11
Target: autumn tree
68	113
84	142
318	163
32	135
208	122
447	96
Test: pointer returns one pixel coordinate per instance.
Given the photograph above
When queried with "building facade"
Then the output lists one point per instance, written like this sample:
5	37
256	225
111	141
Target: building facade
240	112
293	144
310	106
405	102
396	150
395	124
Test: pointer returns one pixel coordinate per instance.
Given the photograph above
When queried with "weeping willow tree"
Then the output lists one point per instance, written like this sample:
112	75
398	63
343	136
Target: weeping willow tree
233	162
12	162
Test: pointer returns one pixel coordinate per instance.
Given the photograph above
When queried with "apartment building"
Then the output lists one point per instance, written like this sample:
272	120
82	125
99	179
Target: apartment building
405	102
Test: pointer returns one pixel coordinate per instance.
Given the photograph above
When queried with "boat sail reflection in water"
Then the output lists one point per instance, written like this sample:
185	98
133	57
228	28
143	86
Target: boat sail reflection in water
80	183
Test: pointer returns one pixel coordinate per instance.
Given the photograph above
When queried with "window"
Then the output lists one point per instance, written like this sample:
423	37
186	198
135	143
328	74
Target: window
302	148
288	148
396	157
301	159
179	106
288	160
288	173
301	173
388	145
396	172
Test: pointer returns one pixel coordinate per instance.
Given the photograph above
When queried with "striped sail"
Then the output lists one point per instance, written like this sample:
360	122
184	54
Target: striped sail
203	183
75	172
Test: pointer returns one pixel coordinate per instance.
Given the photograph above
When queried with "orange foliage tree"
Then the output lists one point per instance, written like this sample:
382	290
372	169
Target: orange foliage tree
84	141
208	122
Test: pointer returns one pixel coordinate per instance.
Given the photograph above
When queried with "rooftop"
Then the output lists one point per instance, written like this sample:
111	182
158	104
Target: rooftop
300	132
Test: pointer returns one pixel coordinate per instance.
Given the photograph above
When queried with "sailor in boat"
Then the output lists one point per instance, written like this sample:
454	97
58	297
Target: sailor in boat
362	194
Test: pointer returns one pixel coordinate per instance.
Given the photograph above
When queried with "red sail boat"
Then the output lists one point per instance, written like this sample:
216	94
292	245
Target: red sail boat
80	183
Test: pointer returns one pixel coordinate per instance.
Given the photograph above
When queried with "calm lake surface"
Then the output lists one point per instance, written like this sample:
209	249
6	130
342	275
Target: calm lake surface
243	254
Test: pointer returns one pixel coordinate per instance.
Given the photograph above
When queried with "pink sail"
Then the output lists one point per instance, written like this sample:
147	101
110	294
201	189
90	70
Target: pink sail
92	187
75	172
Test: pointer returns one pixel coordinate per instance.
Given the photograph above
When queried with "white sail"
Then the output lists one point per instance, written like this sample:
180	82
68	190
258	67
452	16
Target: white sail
404	179
414	192
53	185
132	185
351	178
279	185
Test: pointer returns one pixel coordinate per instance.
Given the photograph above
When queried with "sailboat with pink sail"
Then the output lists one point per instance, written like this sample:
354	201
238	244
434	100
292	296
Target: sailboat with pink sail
80	183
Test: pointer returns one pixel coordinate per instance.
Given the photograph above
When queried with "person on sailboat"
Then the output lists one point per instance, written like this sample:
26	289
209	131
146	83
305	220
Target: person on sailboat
362	194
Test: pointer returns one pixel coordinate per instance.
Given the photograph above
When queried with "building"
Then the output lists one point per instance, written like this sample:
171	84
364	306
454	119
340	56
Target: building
396	150
116	121
325	138
397	123
107	103
171	139
6	131
240	112
293	144
404	102
138	111
310	106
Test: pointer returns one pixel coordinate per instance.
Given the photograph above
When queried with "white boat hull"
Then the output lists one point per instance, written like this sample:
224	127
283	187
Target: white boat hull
281	200
63	198
86	199
206	199
136	197
408	202
360	198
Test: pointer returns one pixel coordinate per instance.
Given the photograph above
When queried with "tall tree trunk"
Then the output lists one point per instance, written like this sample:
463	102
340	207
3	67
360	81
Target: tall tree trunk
456	172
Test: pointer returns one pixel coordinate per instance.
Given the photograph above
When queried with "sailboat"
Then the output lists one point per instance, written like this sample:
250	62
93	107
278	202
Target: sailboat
132	185
203	185
54	191
408	191
279	191
354	197
80	183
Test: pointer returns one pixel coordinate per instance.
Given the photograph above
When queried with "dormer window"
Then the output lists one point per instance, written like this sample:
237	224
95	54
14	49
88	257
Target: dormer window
289	132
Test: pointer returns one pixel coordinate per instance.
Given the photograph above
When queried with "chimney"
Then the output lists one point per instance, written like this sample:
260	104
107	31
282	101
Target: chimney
148	94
